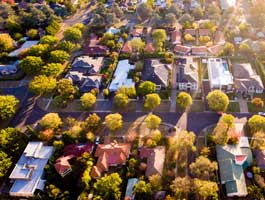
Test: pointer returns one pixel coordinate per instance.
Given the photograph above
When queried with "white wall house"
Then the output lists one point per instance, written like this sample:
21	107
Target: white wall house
219	74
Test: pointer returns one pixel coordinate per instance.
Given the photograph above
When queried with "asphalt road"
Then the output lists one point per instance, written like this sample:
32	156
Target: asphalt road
30	113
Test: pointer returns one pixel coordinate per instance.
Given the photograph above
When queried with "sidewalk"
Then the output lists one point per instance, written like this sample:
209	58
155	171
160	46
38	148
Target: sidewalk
243	105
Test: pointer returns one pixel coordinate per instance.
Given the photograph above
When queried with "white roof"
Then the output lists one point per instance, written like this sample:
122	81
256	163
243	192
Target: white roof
24	46
219	74
29	169
120	77
113	30
225	4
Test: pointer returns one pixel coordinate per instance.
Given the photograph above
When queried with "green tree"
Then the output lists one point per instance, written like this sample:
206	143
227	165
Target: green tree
66	46
159	36
121	100
6	10
184	100
152	101
146	87
142	190
156	182
6	43
186	18
50	121
12	141
31	64
52	69
137	44
258	141
144	11
55	193
198	13
8	104
152	121
5	164
128	91
257	102
256	123
49	39
217	101
72	34
228	119
203	168
86	178
205	189
53	28
181	187
92	122
32	33
108	187
39	50
170	19
228	50
88	100
113	121
65	89
42	85
59	56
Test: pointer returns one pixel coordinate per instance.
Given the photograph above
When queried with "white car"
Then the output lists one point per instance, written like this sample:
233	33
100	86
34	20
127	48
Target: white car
261	114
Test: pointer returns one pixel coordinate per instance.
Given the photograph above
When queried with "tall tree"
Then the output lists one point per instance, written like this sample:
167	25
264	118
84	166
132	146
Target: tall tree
181	187
146	87
217	100
205	189
113	121
159	37
6	43
152	121
51	121
8	104
5	164
152	101
88	100
184	99
31	64
142	190
42	85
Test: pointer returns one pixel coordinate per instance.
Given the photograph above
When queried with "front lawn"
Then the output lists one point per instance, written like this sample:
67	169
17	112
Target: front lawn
233	107
254	109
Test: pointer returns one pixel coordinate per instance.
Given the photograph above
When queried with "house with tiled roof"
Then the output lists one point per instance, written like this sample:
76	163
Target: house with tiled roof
182	50
94	48
204	32
127	48
215	50
175	37
187	74
155	159
246	79
157	72
109	155
199	51
192	32
149	48
232	161
62	165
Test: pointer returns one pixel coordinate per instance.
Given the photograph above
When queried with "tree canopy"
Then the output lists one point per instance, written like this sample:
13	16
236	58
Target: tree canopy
31	64
184	99
256	123
42	85
217	101
121	100
146	87
152	121
50	121
88	100
8	104
152	101
113	121
6	43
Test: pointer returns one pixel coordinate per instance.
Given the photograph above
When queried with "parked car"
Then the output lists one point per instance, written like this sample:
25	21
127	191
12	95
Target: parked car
261	114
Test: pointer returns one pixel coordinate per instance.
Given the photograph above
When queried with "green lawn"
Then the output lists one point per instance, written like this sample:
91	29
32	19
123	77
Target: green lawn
254	109
233	107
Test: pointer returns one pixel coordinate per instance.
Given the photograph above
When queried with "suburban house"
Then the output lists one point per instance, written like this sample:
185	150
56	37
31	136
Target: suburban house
199	51
187	74
26	45
113	154
246	79
126	48
149	48
9	68
136	32
182	50
129	195
204	32
232	161
215	50
28	172
157	72
120	77
62	165
225	4
219	74
155	159
85	72
94	48
175	37
192	32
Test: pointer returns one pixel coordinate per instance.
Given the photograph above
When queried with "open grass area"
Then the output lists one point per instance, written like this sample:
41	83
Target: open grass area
233	107
254	109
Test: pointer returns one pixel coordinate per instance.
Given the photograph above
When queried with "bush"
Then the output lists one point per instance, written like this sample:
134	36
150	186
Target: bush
257	102
33	33
59	56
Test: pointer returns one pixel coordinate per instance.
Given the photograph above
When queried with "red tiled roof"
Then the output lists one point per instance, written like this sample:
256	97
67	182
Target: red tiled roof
62	164
78	150
126	48
181	49
216	49
199	50
110	154
176	36
190	31
92	47
149	47
204	32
